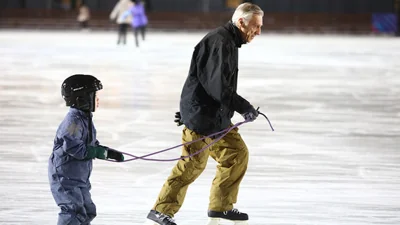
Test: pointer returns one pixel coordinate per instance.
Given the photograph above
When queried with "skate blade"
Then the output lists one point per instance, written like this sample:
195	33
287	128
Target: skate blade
150	222
213	221
217	221
241	223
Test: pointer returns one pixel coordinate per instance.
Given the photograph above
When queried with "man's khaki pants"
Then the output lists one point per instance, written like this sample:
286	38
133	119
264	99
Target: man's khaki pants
232	156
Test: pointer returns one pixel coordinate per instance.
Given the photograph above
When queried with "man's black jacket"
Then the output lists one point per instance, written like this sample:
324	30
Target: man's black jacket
209	98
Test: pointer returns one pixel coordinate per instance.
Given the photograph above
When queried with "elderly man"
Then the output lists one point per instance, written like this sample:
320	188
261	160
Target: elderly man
208	102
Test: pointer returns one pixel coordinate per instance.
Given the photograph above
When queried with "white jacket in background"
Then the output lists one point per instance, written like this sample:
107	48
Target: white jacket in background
119	9
84	14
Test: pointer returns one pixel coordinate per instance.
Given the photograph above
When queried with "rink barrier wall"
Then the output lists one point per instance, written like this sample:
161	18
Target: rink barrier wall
273	22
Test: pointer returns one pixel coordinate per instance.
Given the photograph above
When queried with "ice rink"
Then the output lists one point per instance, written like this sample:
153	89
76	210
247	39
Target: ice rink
334	101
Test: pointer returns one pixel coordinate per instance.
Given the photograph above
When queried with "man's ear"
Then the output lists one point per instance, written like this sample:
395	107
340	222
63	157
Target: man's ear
242	23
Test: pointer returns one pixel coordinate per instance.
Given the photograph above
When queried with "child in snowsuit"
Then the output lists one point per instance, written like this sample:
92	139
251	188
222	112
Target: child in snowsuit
75	146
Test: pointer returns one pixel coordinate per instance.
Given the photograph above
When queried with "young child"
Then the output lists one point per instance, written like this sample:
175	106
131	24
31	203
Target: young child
75	146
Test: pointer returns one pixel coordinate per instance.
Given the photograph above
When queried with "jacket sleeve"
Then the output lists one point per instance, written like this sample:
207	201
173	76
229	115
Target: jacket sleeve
213	68
73	139
115	11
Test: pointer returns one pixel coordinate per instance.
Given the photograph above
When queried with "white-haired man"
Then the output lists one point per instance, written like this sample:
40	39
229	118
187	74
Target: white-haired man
208	102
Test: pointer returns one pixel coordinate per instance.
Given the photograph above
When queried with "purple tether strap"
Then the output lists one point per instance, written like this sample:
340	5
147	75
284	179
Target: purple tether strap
223	132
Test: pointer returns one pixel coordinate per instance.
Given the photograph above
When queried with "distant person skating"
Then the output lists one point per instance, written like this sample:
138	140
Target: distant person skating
83	17
122	21
139	20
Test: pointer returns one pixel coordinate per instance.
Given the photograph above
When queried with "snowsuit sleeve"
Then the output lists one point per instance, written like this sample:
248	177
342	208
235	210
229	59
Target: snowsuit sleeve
73	136
215	75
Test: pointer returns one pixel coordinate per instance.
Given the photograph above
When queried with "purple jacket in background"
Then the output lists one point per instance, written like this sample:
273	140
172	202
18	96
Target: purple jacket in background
139	15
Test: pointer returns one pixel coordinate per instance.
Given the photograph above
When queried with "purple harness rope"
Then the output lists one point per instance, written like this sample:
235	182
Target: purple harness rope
223	132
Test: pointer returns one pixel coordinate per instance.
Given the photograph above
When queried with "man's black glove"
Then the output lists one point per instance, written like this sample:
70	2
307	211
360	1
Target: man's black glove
113	154
178	119
251	114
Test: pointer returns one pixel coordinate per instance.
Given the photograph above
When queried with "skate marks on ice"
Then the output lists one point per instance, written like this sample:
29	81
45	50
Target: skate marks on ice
333	159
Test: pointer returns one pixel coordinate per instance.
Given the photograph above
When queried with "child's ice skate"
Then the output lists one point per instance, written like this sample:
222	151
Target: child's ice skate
157	218
233	215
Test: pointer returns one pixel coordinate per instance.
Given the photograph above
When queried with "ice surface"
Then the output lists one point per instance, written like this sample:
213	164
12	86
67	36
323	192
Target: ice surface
334	158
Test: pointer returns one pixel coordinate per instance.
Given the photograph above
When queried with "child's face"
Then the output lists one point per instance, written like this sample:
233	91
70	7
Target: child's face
97	100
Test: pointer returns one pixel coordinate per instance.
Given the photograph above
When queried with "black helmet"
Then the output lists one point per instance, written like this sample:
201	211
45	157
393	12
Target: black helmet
79	90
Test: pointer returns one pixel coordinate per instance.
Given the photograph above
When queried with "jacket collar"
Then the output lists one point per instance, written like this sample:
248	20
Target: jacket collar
237	36
80	112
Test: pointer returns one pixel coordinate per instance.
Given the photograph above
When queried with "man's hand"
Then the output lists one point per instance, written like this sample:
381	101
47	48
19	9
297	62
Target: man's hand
178	119
250	115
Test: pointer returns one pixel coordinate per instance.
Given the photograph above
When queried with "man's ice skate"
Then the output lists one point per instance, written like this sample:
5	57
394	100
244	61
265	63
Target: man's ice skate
157	218
233	215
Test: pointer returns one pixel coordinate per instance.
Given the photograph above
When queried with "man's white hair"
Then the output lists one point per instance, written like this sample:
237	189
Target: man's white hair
246	11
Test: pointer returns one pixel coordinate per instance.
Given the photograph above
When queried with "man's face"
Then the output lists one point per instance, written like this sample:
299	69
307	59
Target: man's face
252	29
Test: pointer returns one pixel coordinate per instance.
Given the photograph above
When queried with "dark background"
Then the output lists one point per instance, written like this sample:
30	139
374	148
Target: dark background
273	6
310	16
